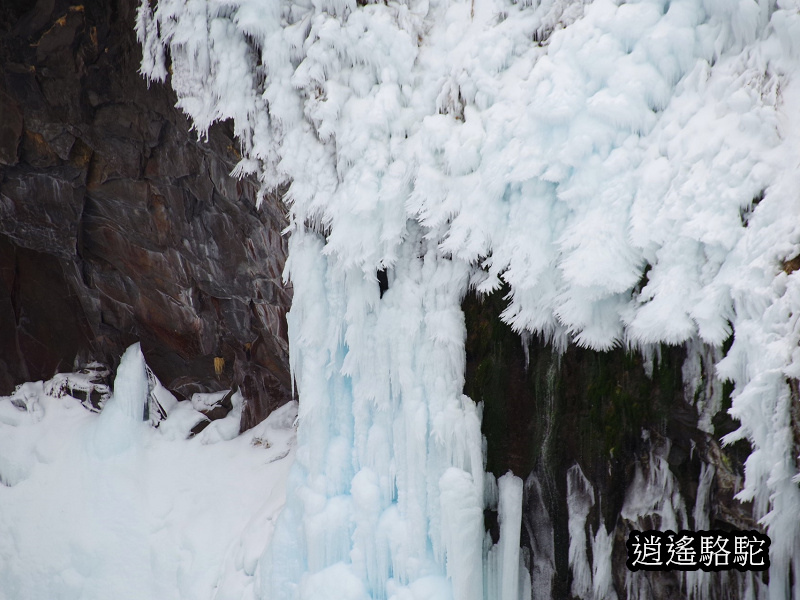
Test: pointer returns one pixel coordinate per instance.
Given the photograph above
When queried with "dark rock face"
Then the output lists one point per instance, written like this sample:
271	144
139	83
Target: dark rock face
628	429
117	225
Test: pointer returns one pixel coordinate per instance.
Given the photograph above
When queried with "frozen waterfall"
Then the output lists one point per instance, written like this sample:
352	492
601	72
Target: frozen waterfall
389	486
627	168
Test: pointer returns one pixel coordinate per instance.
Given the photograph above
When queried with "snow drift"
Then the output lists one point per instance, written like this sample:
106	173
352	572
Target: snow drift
96	506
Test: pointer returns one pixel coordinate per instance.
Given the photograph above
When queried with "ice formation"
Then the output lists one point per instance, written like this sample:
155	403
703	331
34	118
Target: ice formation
629	169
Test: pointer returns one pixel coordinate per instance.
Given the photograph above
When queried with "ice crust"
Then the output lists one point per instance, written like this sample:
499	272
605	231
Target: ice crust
628	169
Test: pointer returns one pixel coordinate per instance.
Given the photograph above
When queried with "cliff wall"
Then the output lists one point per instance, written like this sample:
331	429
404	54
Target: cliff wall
117	225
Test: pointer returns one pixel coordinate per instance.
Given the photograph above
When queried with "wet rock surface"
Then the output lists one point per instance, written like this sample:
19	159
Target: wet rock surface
117	225
632	428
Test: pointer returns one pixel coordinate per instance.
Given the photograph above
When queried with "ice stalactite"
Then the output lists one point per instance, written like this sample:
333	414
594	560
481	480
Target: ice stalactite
510	510
702	386
389	479
540	532
506	575
698	582
653	501
580	499
590	581
131	389
602	573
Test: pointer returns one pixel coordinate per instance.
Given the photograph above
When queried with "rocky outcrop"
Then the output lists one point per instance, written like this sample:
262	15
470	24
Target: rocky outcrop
615	441
117	225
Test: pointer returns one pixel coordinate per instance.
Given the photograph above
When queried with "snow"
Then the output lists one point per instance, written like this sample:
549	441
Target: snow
628	169
98	506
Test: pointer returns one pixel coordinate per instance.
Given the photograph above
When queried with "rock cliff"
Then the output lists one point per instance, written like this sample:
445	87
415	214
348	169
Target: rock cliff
117	225
607	443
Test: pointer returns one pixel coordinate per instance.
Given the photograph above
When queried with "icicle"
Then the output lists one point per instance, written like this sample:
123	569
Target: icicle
580	500
540	529
702	387
462	529
602	572
510	516
698	582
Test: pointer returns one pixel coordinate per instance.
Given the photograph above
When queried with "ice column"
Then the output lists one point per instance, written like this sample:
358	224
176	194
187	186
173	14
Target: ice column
387	494
118	425
580	500
510	513
130	384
